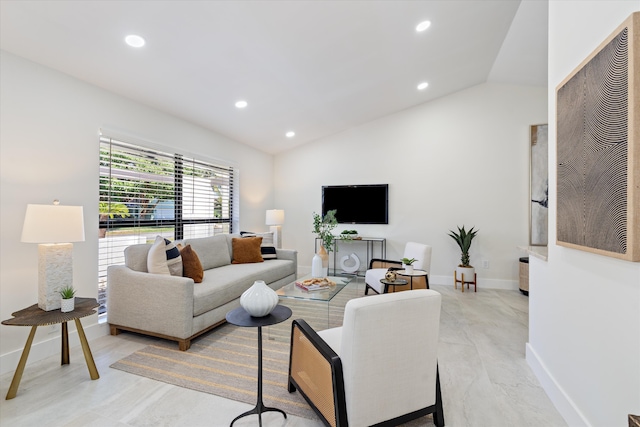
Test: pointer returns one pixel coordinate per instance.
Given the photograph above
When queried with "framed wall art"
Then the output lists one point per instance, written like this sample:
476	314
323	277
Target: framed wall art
539	185
598	148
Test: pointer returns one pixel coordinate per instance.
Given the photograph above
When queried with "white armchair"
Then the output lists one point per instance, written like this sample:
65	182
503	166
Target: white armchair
378	268
365	372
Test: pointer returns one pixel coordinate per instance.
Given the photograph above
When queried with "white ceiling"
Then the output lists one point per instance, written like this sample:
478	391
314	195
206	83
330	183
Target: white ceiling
315	67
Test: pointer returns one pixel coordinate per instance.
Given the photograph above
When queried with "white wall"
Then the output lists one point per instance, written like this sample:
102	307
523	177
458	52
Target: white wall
584	315
49	149
458	160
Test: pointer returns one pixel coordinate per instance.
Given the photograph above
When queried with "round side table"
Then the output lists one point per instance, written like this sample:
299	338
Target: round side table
397	282
240	317
414	273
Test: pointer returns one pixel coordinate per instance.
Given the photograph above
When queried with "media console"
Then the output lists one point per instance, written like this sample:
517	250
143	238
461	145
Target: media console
376	247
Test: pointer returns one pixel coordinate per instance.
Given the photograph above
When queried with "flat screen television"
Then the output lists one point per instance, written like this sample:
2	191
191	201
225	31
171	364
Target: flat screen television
357	204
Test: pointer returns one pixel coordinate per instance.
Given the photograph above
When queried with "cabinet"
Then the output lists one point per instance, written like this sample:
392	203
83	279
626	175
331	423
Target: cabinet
366	247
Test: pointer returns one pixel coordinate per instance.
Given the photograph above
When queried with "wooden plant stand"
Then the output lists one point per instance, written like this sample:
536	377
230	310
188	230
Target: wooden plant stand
462	281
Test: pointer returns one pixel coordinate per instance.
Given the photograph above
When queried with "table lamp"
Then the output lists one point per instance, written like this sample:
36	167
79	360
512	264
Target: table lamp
54	227
275	218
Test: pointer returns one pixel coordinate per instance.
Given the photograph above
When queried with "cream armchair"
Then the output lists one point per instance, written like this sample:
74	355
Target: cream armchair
378	268
365	372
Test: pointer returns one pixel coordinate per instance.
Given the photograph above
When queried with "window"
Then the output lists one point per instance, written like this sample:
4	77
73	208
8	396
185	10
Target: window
145	192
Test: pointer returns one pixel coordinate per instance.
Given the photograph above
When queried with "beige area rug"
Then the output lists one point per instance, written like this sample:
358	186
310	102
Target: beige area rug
224	361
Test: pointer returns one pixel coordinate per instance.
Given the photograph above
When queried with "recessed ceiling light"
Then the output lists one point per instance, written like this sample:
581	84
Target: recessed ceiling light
134	40
241	104
423	26
423	86
290	134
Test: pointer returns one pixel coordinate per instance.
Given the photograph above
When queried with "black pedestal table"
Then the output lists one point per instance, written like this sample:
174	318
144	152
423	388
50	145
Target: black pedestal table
240	317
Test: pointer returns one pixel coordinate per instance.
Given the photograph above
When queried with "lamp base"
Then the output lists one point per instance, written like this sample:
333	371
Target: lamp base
55	270
277	235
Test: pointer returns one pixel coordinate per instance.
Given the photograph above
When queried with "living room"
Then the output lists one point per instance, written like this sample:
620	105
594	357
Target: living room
584	323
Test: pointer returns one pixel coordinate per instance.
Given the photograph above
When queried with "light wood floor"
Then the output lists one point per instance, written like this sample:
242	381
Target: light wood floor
486	381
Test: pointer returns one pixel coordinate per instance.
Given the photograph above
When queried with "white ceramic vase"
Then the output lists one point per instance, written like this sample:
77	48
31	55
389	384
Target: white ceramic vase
259	300
408	268
316	266
67	305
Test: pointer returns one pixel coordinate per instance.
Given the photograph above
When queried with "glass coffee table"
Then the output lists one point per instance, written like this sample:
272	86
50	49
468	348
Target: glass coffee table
321	309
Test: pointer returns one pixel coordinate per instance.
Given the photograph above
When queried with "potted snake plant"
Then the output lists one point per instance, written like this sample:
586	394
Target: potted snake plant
464	238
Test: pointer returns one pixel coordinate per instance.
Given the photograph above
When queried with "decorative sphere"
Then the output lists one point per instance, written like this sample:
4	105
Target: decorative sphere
390	276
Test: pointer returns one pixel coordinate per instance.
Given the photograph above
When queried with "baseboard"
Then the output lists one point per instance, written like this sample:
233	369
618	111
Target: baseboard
50	346
559	398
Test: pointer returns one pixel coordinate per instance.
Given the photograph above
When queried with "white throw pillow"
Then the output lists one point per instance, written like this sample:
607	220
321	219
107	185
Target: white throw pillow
157	258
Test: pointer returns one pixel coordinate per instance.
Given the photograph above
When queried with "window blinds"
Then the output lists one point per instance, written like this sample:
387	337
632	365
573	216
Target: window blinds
146	192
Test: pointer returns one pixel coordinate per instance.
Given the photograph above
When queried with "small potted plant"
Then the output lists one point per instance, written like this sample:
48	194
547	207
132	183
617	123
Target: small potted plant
407	264
322	227
464	238
68	298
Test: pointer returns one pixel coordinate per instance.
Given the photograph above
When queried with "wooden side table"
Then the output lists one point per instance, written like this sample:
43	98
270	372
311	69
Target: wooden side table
414	273
33	316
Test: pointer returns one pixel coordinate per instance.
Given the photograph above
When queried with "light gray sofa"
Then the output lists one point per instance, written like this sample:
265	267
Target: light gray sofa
178	309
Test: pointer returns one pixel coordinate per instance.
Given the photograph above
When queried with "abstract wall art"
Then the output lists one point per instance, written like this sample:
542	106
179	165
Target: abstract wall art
539	185
598	149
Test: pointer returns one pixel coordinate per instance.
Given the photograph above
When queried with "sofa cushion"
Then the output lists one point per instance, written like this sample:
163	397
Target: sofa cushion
246	250
164	258
224	284
212	251
191	265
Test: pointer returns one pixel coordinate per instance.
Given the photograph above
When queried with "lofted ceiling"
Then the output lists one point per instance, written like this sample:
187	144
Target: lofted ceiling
314	67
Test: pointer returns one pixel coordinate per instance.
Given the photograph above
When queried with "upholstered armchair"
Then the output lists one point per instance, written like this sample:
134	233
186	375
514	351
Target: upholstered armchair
378	268
379	368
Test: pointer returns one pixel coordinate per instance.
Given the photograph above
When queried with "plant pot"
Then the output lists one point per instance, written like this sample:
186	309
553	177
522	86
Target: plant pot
408	268
316	266
468	272
259	300
67	305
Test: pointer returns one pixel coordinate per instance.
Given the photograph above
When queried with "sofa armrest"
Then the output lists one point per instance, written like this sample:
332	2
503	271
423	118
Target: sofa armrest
289	254
150	302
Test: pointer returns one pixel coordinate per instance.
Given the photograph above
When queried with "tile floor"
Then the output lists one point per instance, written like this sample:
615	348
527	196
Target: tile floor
486	381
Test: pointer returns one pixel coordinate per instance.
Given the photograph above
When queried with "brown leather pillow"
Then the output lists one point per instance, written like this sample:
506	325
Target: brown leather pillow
191	265
246	250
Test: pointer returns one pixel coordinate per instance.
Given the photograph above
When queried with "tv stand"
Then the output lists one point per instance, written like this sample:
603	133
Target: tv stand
372	243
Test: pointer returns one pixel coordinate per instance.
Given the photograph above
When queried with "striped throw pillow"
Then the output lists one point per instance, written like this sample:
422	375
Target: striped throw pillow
164	258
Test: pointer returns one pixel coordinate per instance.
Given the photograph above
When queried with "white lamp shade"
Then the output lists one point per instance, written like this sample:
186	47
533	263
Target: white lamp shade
275	217
53	224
